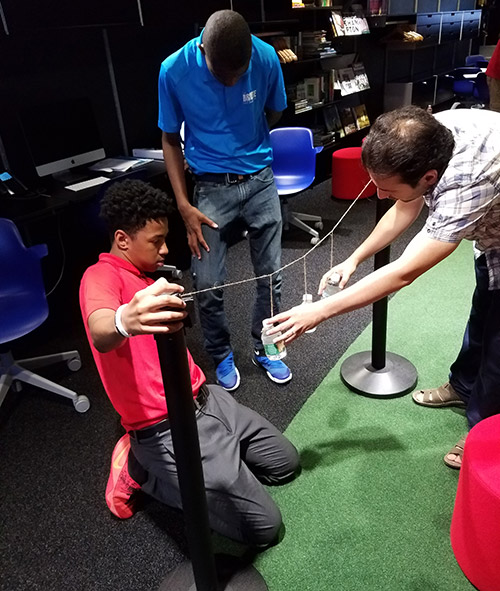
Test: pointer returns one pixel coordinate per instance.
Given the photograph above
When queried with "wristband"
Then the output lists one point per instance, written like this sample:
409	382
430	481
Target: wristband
118	322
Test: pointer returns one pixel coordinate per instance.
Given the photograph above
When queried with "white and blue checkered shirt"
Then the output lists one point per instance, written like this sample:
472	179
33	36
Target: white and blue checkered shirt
465	203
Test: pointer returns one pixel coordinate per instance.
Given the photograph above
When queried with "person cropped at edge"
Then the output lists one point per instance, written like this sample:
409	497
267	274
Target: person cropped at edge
451	163
227	87
493	79
122	309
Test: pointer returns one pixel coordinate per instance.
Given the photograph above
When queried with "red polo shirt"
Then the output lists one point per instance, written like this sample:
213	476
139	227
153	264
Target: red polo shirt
493	69
130	374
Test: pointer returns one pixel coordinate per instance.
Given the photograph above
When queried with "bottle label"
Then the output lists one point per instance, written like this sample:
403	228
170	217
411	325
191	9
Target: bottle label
275	350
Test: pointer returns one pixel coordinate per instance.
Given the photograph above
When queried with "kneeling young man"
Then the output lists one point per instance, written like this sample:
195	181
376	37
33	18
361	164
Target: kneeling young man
122	309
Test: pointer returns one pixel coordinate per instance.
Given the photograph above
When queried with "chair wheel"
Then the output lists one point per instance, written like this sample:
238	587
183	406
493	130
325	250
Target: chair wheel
74	364
81	404
318	225
17	386
314	240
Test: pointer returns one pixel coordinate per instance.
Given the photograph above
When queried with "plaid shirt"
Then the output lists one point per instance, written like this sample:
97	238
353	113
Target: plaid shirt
465	203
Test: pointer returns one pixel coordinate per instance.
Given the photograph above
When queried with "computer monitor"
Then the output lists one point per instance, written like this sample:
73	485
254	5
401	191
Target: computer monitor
61	135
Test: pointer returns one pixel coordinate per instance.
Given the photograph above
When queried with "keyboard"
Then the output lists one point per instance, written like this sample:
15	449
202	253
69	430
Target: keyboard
87	184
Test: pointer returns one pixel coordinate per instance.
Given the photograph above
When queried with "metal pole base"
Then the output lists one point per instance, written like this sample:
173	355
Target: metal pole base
233	574
397	378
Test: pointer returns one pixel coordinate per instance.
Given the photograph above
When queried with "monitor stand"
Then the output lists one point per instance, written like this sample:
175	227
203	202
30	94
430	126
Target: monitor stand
71	176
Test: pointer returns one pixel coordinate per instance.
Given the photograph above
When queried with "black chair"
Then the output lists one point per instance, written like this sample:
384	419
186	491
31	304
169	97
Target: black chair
23	307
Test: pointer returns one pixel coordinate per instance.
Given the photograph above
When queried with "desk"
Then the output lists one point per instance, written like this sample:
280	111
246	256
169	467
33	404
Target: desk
54	198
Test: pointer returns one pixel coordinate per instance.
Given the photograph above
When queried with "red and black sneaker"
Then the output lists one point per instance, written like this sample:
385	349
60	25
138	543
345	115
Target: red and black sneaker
121	490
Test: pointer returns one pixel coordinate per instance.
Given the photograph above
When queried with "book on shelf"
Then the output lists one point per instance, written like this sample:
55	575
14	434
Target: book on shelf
347	81
353	23
361	116
360	76
348	120
333	123
313	89
337	23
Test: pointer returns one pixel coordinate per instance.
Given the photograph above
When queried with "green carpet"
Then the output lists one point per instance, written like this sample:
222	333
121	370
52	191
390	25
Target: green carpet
372	508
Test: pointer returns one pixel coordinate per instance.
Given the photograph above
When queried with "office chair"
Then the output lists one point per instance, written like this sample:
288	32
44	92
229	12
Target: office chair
476	60
463	86
294	169
23	307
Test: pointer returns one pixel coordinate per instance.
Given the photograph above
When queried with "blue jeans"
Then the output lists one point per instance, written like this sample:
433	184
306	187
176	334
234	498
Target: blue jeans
252	205
475	375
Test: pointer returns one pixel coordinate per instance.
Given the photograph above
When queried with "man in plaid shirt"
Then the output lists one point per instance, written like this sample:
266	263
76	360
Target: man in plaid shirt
451	163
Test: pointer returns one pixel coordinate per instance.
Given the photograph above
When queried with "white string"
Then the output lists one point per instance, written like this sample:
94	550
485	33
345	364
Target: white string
191	293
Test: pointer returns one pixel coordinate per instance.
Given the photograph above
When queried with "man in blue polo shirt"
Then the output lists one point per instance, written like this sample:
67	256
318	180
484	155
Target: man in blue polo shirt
227	87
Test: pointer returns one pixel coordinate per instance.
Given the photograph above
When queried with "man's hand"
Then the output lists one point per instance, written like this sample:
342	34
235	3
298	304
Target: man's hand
296	321
345	270
153	310
193	220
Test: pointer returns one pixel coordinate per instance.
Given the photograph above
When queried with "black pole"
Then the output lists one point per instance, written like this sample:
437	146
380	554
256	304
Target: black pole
379	326
220	573
377	373
179	394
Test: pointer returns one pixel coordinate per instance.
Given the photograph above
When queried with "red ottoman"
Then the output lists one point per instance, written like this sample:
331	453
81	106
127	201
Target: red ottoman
348	175
475	525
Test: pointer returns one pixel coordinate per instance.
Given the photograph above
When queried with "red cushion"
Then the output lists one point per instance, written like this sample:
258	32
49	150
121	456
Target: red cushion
348	175
475	525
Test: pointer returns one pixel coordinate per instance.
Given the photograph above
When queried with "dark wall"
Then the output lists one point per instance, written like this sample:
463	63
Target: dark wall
56	50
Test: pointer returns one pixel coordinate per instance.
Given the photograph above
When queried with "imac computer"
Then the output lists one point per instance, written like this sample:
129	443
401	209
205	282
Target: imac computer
62	135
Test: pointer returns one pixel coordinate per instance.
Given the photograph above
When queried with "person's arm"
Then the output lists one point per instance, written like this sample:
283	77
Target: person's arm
144	314
393	223
420	255
273	117
193	218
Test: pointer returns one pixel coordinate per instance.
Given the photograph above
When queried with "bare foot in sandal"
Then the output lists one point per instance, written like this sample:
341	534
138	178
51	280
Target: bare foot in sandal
445	395
453	458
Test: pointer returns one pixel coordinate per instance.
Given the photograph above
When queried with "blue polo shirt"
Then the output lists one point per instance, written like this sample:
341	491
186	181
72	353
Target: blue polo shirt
225	126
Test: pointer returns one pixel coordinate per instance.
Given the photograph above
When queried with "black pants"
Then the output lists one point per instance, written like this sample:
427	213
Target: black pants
240	451
475	374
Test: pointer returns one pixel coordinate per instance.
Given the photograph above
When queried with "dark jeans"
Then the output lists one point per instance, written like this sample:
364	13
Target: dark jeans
240	450
252	205
475	374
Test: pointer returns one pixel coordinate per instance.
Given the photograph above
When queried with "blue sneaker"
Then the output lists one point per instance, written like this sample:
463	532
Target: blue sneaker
228	376
276	371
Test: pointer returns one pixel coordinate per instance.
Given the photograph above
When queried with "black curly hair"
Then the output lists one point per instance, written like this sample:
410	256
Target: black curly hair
407	142
130	204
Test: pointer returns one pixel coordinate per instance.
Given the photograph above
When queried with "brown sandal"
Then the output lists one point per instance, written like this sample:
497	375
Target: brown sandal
445	395
456	450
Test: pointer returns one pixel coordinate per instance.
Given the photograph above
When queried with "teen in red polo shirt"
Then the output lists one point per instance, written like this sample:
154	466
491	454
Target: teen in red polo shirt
122	309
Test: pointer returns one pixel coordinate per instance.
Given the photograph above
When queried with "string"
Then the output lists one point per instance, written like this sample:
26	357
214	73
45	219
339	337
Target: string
270	275
305	277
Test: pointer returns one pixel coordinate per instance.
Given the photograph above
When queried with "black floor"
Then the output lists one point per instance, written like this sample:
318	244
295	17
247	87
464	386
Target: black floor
56	532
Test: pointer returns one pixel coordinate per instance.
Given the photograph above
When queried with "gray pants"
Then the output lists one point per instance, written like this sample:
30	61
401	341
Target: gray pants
240	450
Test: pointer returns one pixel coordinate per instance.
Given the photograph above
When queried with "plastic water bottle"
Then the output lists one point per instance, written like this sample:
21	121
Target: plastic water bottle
332	286
273	351
308	299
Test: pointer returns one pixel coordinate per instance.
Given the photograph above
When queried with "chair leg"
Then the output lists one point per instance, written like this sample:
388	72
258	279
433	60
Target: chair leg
10	370
72	357
295	221
5	382
307	217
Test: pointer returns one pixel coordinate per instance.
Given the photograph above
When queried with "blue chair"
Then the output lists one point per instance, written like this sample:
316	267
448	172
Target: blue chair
23	307
294	168
463	86
476	60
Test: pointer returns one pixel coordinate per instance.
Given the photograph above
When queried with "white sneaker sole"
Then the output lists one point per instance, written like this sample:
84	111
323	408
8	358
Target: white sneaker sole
270	376
238	380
